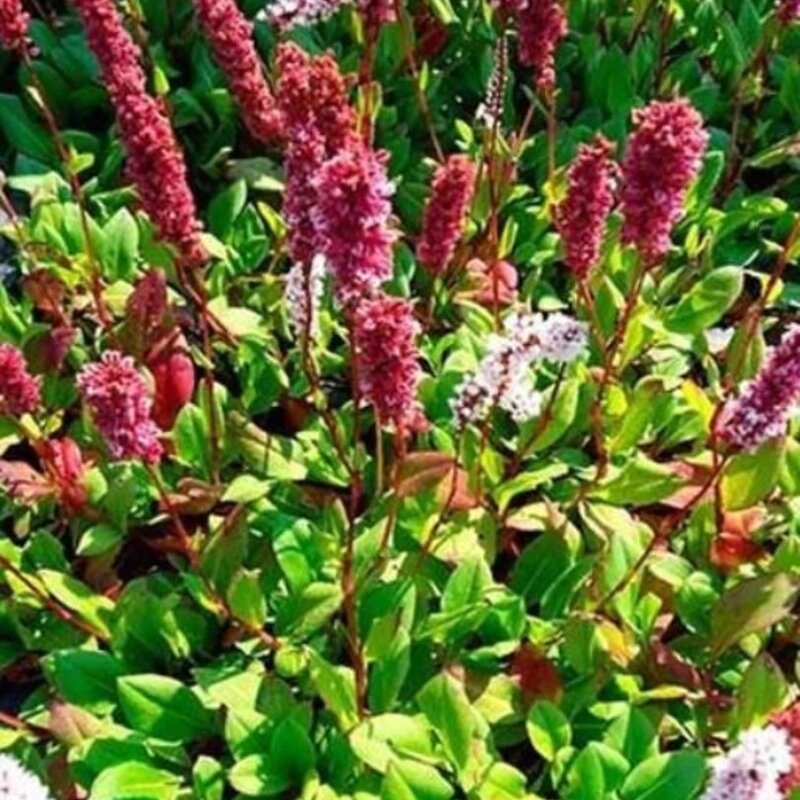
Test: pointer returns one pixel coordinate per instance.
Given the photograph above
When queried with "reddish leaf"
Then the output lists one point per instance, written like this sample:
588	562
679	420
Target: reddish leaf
538	678
46	292
24	483
174	378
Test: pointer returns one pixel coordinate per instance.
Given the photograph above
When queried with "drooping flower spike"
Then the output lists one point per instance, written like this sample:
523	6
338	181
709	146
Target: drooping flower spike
762	409
230	35
662	157
121	407
155	162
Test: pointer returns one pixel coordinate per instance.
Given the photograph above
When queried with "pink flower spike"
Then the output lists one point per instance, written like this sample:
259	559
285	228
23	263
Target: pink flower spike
13	25
230	35
351	221
388	360
663	157
788	11
20	392
581	218
762	409
451	193
121	407
155	161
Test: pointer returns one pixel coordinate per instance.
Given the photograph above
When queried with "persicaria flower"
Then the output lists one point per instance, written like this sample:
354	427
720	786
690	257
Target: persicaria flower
662	158
120	405
762	409
305	287
13	25
18	783
581	218
788	11
490	111
312	96
20	392
788	721
752	770
503	378
230	35
388	360
541	25
155	162
351	220
451	193
288	14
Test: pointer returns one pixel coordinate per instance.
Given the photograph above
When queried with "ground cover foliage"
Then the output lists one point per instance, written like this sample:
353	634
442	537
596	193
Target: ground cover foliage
397	400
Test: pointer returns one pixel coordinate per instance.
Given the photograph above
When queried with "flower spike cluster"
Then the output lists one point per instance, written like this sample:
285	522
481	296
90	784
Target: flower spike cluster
388	360
19	390
581	218
155	161
13	25
451	193
121	407
753	768
503	377
663	157
17	782
351	221
230	35
762	409
788	721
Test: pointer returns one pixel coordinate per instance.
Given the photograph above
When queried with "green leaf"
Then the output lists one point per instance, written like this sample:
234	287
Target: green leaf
164	708
411	780
548	729
639	483
25	135
706	301
752	606
120	246
135	781
762	691
447	708
666	777
337	688
208	779
749	477
86	678
192	438
255	776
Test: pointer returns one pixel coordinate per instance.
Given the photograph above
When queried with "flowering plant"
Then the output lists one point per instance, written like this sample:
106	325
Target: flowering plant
398	399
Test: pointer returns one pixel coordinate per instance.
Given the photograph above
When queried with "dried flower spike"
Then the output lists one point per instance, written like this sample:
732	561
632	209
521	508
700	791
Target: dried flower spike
230	35
762	409
447	207
581	218
662	158
19	390
121	407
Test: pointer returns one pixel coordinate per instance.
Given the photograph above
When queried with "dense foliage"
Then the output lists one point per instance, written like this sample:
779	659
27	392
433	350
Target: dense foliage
396	399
